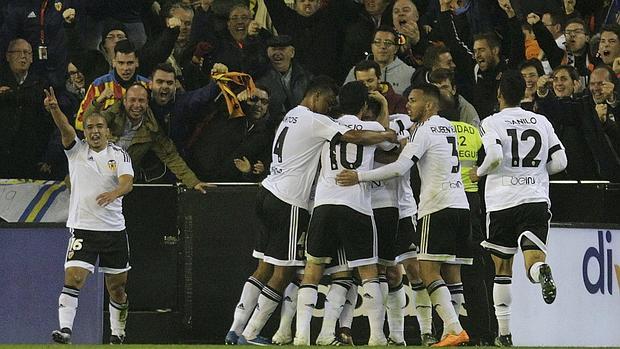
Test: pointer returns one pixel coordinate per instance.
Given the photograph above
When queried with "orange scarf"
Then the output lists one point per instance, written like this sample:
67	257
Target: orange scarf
226	82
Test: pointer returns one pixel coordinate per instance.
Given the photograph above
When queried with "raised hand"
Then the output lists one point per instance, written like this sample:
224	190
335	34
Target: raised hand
601	111
253	28
50	102
69	15
533	18
410	30
507	7
106	94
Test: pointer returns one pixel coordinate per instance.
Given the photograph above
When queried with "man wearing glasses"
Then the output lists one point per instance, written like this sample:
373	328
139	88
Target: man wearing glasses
25	130
384	47
577	47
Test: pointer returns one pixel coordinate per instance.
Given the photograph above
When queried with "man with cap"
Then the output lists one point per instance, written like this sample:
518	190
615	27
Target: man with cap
286	79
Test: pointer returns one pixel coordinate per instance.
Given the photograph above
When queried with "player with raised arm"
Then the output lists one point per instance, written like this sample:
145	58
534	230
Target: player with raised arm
282	203
101	174
443	212
522	151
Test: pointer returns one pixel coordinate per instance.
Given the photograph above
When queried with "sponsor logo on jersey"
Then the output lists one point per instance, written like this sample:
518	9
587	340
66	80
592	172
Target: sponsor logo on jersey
451	185
518	180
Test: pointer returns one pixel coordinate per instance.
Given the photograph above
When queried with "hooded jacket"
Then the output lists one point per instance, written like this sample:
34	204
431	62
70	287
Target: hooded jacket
397	73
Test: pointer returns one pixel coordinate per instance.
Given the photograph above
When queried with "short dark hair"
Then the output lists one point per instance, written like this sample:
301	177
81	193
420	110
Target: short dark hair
264	88
533	63
321	83
366	65
441	74
387	29
572	72
490	38
429	91
556	18
353	97
611	27
512	87
165	67
432	53
124	46
579	21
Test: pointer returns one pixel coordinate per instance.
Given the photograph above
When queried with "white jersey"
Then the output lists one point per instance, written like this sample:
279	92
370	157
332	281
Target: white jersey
407	207
527	139
385	193
433	147
336	156
93	173
296	152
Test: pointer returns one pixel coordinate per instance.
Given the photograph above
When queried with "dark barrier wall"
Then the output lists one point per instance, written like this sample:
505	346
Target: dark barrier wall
32	274
191	254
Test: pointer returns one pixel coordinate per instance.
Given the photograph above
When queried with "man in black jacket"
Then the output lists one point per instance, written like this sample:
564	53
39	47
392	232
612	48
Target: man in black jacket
25	127
483	68
286	79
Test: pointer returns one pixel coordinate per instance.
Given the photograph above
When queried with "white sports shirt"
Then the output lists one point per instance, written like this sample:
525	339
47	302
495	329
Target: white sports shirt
385	193
407	207
336	156
295	154
93	173
433	146
527	139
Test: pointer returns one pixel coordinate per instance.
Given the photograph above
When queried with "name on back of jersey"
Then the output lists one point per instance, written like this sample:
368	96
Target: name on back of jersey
523	121
290	119
354	127
442	129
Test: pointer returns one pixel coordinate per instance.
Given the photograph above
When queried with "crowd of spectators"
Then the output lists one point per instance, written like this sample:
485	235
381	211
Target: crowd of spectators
94	52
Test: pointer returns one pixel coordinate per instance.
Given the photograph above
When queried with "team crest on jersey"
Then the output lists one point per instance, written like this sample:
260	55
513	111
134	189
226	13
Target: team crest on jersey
70	254
58	6
112	165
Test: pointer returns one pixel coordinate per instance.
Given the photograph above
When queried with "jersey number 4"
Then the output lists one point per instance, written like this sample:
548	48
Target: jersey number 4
279	146
530	159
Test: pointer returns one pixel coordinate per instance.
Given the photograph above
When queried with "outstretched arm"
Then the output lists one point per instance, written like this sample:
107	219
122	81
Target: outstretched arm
395	169
67	132
368	137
